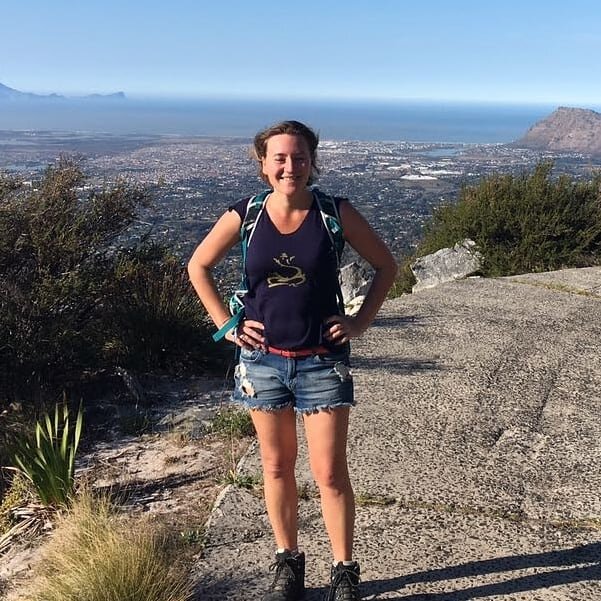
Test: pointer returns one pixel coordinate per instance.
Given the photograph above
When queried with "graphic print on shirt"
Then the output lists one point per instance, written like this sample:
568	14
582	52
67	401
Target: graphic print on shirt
287	274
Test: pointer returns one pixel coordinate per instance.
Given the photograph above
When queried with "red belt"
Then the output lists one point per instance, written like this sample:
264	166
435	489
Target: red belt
302	352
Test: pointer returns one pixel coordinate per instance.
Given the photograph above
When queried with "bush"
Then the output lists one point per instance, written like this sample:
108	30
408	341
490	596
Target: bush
54	263
154	318
524	223
92	556
77	292
18	494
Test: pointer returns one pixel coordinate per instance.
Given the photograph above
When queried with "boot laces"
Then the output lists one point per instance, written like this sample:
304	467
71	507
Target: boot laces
284	576
344	585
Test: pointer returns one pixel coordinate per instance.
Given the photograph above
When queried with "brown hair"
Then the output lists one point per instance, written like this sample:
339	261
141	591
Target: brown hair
293	128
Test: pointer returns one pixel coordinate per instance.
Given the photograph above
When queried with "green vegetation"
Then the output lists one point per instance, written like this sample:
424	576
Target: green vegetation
247	481
47	460
79	292
235	423
524	223
193	536
17	495
154	319
405	279
81	295
367	498
521	223
93	556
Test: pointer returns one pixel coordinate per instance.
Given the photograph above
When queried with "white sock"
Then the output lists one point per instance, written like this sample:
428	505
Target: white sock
344	563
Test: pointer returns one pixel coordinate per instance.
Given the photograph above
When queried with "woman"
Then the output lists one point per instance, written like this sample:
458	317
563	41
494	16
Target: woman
294	345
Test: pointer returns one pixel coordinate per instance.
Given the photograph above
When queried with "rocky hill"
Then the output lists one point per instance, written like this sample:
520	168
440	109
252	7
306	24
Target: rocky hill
566	129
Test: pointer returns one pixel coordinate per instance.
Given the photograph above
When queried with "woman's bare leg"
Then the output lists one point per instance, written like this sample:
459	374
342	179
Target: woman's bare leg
326	433
276	432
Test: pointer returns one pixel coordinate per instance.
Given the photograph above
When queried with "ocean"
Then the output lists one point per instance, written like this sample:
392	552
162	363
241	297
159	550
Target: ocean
378	121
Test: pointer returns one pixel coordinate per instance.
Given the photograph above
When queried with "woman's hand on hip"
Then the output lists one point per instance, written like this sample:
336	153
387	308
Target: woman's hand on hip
248	335
341	328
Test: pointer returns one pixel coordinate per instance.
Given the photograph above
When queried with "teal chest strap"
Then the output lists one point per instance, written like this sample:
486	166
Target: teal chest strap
230	324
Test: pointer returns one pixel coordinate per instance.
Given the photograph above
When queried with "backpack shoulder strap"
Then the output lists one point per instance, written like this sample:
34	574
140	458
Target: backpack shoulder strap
328	207
254	208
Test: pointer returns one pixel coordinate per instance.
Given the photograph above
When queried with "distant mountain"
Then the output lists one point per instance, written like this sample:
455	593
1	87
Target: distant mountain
7	93
566	129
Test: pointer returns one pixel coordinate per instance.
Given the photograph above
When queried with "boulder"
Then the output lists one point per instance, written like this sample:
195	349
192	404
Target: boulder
446	265
354	281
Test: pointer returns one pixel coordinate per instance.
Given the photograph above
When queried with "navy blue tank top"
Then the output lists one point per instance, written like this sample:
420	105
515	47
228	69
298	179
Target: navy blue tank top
292	280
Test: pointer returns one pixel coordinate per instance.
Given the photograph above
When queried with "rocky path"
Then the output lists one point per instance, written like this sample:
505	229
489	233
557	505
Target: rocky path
475	451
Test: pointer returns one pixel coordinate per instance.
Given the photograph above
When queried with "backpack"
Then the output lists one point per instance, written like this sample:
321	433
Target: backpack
256	204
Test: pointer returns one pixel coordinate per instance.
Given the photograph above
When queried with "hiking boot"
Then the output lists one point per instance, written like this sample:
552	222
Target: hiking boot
345	583
289	580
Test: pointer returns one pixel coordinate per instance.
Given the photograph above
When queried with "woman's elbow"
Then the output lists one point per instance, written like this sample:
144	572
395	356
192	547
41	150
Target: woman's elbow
196	267
192	267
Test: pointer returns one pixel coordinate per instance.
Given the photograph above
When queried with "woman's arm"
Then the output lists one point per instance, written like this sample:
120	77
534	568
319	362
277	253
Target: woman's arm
361	236
216	244
220	239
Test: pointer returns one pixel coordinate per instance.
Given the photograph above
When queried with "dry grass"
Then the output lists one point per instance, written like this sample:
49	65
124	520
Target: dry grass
92	556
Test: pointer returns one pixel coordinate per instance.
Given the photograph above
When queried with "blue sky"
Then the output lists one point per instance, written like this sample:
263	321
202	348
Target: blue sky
511	51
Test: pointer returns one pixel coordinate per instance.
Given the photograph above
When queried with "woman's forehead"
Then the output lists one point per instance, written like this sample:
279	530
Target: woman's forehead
286	144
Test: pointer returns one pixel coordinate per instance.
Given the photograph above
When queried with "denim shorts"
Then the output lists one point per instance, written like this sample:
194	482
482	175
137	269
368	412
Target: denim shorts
268	381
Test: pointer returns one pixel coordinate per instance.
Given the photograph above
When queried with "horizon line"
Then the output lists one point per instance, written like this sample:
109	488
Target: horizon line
315	99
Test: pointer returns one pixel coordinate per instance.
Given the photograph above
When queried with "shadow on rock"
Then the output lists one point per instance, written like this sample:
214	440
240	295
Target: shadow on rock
135	492
397	321
569	560
396	365
208	589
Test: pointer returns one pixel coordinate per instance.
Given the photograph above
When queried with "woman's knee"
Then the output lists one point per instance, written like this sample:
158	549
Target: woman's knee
331	477
278	466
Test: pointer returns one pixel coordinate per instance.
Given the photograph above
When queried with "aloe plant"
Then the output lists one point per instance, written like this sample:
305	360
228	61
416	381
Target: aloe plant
48	458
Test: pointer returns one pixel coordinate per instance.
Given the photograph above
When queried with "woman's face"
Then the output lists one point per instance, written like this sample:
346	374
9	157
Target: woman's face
287	163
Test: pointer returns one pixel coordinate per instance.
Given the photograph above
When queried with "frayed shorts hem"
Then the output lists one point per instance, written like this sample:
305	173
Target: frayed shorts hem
325	407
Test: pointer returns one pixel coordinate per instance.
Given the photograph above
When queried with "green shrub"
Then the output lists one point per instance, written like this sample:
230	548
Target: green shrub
92	556
79	292
154	318
55	260
525	223
13	426
47	459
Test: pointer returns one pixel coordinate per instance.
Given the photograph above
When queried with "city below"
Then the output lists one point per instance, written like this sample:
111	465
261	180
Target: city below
193	180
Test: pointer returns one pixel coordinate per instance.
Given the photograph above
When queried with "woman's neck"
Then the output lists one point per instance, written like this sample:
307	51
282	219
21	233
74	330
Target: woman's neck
297	202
